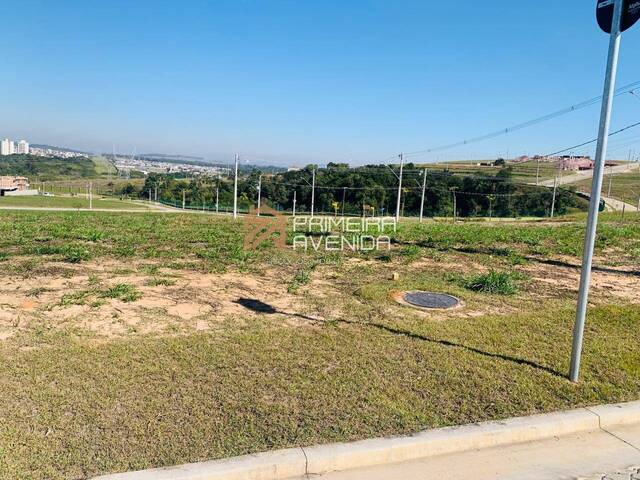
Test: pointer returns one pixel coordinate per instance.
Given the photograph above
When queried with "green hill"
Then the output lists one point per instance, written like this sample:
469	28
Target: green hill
52	168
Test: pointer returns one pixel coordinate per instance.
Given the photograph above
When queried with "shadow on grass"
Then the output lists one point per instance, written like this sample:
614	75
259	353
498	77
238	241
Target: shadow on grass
529	258
259	306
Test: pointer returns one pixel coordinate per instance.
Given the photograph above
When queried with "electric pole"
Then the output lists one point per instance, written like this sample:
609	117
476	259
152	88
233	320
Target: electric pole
184	198
294	204
259	192
313	190
399	188
455	205
553	201
235	189
424	188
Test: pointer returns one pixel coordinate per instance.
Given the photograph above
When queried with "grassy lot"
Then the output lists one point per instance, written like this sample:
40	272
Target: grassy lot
67	202
102	369
522	172
624	186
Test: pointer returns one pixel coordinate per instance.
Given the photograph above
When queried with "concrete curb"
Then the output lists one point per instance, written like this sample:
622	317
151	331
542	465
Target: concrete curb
298	462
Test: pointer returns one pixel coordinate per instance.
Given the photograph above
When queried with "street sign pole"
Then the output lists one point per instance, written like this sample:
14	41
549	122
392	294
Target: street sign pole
592	220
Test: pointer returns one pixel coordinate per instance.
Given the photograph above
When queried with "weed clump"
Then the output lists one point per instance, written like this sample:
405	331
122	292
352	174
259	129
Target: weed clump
500	283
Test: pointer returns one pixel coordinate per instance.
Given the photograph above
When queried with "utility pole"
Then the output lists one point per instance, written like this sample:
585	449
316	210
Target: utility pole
399	188
184	198
344	196
235	189
217	198
259	192
90	195
455	203
313	190
538	171
424	188
596	188
553	202
294	204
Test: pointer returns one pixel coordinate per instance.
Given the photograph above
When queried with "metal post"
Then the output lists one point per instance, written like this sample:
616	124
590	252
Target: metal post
217	198
259	192
235	189
455	204
313	190
553	202
294	203
424	188
399	188
596	187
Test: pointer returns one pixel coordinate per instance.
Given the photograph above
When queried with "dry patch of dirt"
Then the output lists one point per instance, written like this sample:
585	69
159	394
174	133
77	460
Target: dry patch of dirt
165	301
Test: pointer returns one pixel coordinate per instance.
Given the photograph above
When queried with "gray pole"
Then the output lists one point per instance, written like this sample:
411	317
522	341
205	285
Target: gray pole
184	199
259	192
424	188
455	206
596	187
399	188
235	189
294	203
538	171
217	198
313	190
553	202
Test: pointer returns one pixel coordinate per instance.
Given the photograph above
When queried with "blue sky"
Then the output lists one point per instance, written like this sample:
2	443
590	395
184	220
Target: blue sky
293	82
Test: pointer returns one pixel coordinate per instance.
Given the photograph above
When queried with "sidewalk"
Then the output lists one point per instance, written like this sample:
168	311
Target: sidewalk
592	455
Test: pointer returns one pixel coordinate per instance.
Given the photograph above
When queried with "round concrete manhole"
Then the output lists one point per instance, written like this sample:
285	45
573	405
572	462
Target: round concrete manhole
429	300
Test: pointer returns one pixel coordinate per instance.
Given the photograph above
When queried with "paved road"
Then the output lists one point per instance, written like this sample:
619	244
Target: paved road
612	203
601	455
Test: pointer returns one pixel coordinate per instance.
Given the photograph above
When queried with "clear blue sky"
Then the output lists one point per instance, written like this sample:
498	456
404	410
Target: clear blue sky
293	82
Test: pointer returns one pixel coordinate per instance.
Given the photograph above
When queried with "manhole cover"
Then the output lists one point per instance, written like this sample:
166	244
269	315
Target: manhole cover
430	300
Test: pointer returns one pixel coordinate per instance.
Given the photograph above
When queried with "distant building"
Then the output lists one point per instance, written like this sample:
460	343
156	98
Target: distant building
23	147
7	147
13	184
574	164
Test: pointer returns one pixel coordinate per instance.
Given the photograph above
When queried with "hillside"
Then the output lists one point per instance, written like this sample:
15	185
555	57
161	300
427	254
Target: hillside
52	168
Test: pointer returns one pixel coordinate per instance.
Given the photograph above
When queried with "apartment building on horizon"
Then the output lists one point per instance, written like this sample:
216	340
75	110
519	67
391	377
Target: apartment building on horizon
9	147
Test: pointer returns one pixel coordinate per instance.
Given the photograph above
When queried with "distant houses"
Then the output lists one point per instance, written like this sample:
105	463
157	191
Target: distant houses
15	186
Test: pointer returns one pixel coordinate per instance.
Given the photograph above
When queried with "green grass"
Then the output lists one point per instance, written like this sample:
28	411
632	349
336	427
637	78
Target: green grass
345	363
522	172
73	410
501	283
42	201
624	186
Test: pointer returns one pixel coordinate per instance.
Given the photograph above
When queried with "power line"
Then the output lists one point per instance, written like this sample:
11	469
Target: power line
579	106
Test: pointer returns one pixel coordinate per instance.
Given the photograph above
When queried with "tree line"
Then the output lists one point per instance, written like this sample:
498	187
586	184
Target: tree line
370	189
